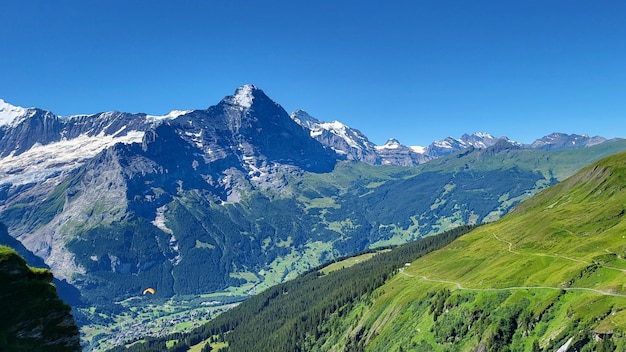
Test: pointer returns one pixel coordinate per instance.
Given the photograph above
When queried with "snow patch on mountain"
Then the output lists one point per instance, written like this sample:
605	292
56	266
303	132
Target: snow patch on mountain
42	161
244	96
483	135
353	138
418	149
169	116
443	144
392	143
9	112
338	129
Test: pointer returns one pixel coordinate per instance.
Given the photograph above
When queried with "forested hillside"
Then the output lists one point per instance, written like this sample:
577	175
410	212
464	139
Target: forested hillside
300	313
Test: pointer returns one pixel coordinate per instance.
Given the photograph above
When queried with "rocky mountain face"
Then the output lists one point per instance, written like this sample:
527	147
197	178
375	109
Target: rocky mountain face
395	153
348	143
34	318
40	127
134	165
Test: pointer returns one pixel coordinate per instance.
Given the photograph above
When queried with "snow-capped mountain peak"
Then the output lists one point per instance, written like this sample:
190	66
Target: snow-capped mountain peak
483	135
391	143
476	140
9	112
304	119
319	129
394	144
346	141
244	96
479	139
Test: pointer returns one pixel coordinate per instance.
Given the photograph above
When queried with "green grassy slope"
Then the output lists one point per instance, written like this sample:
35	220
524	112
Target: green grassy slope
552	271
298	314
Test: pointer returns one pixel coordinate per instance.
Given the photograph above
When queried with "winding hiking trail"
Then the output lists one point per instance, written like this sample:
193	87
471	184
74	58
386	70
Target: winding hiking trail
510	249
538	254
461	287
507	242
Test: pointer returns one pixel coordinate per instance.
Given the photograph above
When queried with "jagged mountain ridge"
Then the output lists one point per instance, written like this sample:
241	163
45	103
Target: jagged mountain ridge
351	144
561	140
224	150
22	129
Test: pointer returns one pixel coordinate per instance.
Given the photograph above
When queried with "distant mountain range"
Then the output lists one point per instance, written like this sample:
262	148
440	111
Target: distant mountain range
22	129
351	144
240	196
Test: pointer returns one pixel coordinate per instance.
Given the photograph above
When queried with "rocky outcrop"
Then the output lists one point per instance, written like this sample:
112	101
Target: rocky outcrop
35	126
395	153
34	318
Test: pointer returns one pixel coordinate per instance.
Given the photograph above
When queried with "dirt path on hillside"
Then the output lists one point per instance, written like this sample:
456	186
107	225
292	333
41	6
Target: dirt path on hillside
510	249
507	242
461	287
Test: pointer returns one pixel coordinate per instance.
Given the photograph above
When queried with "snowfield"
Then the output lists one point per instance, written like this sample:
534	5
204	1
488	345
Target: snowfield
42	161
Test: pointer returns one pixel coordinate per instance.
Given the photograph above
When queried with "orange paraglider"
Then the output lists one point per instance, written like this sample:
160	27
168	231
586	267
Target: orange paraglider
149	289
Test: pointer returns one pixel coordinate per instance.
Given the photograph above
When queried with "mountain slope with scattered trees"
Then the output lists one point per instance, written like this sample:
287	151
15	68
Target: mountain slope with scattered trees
294	315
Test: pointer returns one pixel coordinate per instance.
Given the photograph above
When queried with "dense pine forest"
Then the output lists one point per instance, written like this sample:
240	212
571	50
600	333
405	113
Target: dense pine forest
294	315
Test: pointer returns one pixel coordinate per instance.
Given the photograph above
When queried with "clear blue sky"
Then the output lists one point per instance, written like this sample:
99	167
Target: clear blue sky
416	70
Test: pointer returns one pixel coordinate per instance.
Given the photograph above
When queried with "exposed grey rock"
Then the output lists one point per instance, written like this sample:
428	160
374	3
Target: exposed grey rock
556	141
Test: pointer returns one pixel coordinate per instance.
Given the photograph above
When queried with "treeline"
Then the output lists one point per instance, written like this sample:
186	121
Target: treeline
286	316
